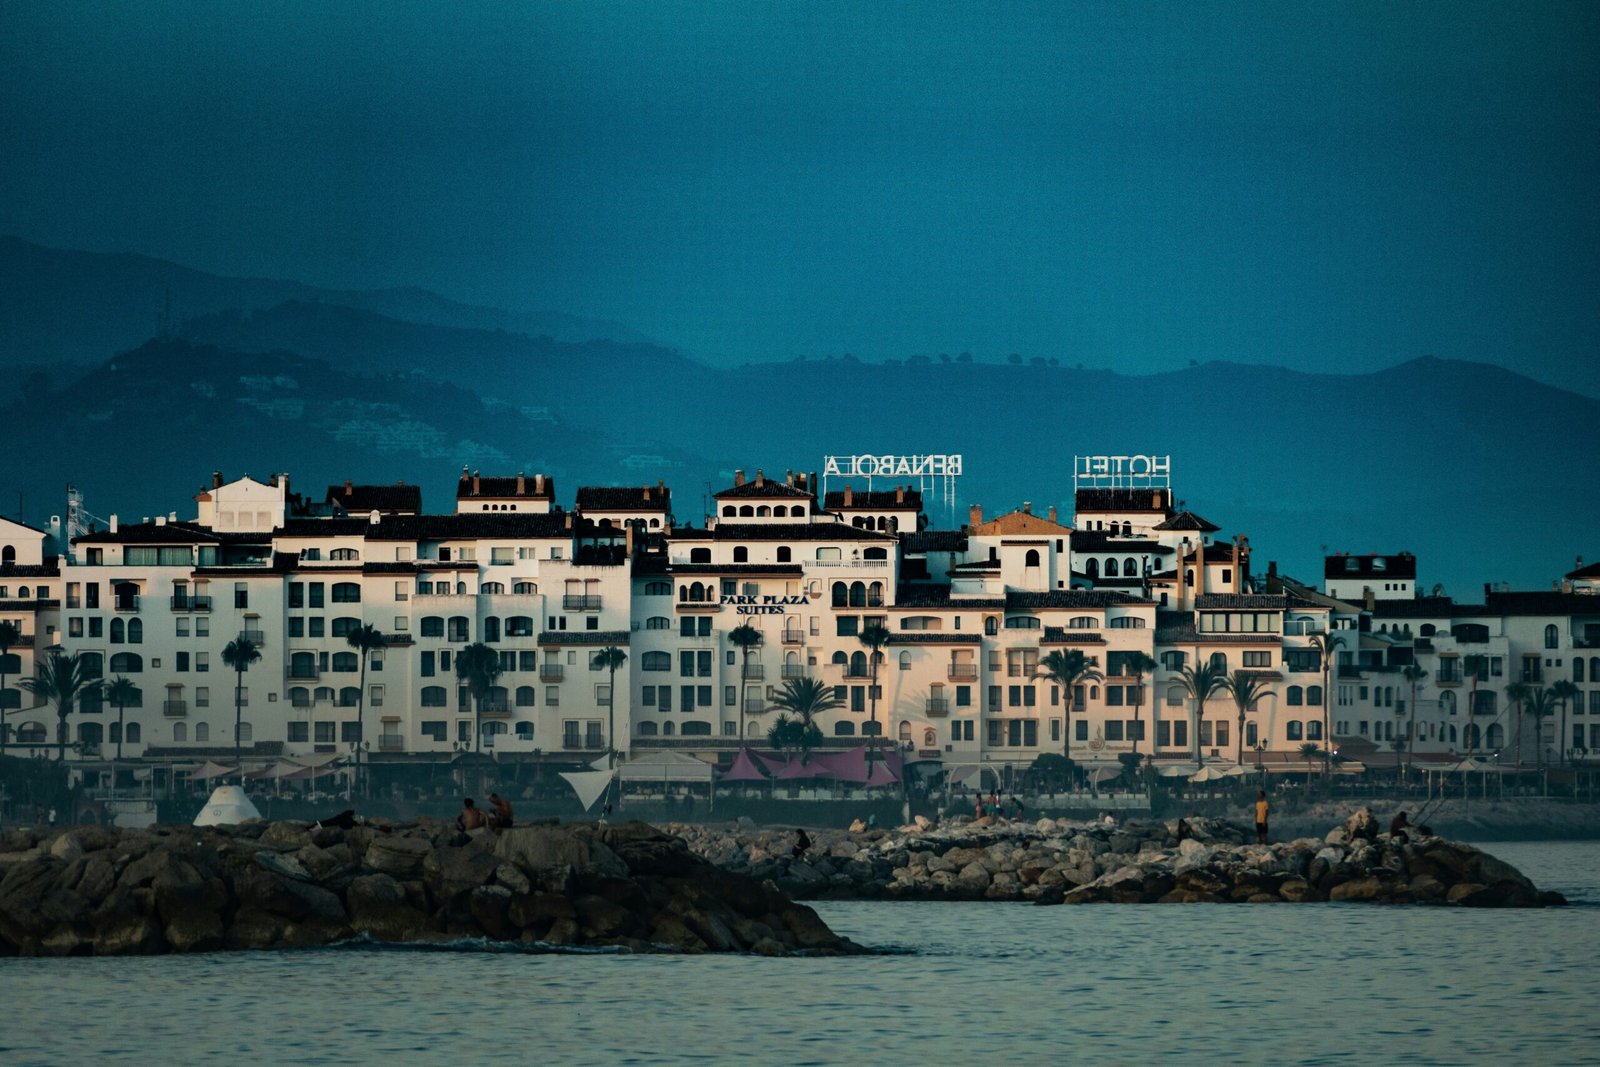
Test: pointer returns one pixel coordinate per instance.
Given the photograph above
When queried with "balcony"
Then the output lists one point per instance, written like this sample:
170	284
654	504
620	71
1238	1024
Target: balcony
191	603
755	705
255	637
794	670
496	708
963	672
754	671
174	709
697	606
552	672
128	603
794	637
587	744
856	672
938	707
302	673
391	743
572	602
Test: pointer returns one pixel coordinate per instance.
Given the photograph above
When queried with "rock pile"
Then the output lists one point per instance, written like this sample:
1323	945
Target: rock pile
101	891
1057	861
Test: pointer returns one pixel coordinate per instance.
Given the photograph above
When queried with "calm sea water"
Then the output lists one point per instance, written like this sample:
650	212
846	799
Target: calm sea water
977	983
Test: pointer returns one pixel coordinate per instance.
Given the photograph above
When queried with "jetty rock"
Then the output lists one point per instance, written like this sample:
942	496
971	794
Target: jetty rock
259	885
1052	861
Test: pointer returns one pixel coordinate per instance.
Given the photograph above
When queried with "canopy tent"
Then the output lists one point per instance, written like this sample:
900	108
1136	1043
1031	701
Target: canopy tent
1468	766
800	770
1175	770
666	766
1350	766
746	768
881	775
589	785
209	770
281	769
308	774
1102	774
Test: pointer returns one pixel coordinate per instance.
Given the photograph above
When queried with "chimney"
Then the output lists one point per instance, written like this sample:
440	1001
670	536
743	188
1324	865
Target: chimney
349	490
1369	598
272	479
1487	589
538	485
1155	500
661	487
1052	513
1027	507
374	518
628	538
975	515
788	478
522	484
161	520
899	494
113	526
761	479
1236	574
647	494
283	480
477	483
849	496
568	522
738	478
216	479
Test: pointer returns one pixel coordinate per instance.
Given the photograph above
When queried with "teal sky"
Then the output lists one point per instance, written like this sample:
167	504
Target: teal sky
1324	186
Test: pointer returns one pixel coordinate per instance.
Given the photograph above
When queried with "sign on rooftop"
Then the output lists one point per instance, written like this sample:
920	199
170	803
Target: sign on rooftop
934	474
1122	472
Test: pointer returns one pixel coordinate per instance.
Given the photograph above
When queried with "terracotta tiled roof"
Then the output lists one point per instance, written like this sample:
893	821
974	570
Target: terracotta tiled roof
874	500
1242	601
764	488
1070	598
1019	522
791	531
534	487
469	526
1188	520
148	533
624	498
934	541
938	596
1159	500
1371	565
367	498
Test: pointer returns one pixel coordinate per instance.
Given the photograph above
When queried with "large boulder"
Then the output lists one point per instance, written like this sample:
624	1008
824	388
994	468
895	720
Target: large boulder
380	909
399	857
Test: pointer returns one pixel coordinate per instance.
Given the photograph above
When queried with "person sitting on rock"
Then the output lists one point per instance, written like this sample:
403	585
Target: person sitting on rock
1398	827
470	818
500	815
802	842
1184	833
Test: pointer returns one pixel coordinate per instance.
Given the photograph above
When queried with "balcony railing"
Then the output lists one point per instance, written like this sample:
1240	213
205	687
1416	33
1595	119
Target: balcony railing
255	637
856	672
191	603
794	670
174	709
585	744
963	672
754	671
794	637
755	705
496	708
938	706
391	743
574	602
552	672
125	603
302	672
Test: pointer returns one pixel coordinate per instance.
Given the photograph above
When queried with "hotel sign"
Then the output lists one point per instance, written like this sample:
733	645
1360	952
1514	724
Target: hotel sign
870	466
1132	472
748	604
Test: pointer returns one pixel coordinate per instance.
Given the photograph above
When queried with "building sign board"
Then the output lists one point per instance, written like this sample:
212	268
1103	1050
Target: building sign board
1122	472
750	604
874	466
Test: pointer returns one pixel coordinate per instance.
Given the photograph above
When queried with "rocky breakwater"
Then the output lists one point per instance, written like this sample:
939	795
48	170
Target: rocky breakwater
1057	861
284	885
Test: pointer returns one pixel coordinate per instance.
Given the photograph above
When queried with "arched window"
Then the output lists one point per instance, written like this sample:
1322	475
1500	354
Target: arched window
741	554
1083	622
8	555
1552	638
491	629
905	661
492	588
525	731
127	663
1293	730
90	733
93	665
844	728
658	589
1111	568
299	696
349	696
904	733
1127	622
135	632
180	732
858	594
346	593
433	696
1130	568
797	510
525	696
747	511
699	555
858	664
647	728
780	512
1447	702
118	632
875	553
458	629
1091	568
1031	559
763	512
345	663
841	594
1496	736
1296	697
303	665
700	729
656	661
668	728
991	625
1314	695
344	626
247	733
202	731
840	660
658	622
1314	730
1219	660
1428	629
1188	576
344	554
728	511
134	734
529	589
784	555
519	626
432	626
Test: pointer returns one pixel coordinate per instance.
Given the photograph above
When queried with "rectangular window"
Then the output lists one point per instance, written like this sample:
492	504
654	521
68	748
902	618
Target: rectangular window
241	595
202	662
963	696
316	590
434	729
182	628
202	696
96	627
297	594
686	626
182	663
703	662
1180	733
349	731
324	732
1080	730
994	733
425	665
730	695
686	697
297	626
1163	734
665	695
1258	659
375	696
317	626
702	695
552	696
686	664
1113	729
847	625
1114	699
858	698
1222	734
647	696
75	627
299	731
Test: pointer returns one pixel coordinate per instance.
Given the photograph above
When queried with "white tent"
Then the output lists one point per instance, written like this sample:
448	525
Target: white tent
1175	770
228	805
666	766
589	785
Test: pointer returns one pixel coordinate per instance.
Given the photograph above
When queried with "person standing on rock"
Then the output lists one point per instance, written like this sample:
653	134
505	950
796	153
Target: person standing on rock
977	808
1262	810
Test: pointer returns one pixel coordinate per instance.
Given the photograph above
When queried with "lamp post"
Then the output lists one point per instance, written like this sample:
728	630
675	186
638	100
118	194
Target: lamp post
1261	747
358	750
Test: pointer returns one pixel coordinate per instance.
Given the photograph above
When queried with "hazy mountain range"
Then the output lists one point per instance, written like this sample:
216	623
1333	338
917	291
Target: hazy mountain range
1485	474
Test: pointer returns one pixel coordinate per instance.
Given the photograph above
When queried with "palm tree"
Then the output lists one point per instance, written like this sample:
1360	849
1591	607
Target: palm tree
1327	643
1308	752
1563	691
1068	670
1247	690
1543	704
1136	666
745	637
121	692
365	639
1473	665
239	654
793	736
874	637
610	658
10	637
478	668
806	698
62	679
1518	693
1412	674
1201	682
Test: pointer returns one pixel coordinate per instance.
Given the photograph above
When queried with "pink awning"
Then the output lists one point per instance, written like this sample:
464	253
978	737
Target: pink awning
796	770
881	776
746	768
